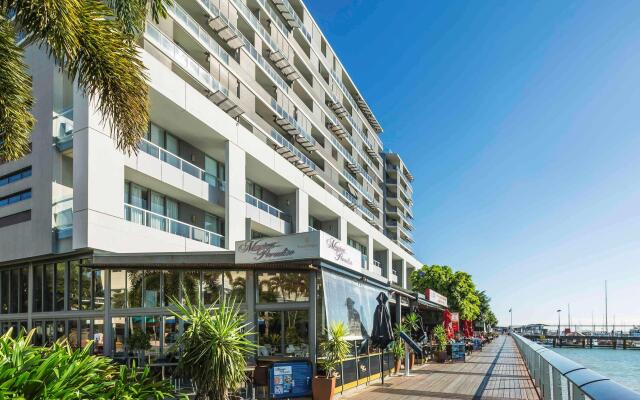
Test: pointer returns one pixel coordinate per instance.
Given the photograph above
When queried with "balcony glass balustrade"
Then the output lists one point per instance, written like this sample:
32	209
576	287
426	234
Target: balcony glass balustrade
297	22
357	185
282	141
160	222
254	201
285	115
183	165
62	211
364	210
405	243
364	261
351	198
182	59
63	128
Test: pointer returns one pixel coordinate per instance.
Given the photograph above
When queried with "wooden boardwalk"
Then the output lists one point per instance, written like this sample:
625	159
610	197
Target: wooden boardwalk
497	372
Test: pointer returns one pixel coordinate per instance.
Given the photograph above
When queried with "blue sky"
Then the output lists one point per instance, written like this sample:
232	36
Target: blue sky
521	122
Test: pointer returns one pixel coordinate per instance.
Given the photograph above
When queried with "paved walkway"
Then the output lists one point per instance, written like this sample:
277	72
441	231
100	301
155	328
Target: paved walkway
497	372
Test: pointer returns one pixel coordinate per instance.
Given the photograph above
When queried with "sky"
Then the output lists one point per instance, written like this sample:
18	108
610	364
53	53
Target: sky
520	121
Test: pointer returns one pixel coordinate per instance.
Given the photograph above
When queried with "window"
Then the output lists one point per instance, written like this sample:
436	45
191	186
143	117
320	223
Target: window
283	333
14	198
191	285
15	176
255	190
118	288
59	286
283	287
171	286
152	289
134	288
211	286
235	285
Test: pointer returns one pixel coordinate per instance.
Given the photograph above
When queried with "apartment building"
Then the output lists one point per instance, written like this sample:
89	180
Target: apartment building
263	168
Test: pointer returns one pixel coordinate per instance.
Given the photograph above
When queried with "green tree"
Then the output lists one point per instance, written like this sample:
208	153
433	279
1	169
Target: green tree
486	314
457	286
94	43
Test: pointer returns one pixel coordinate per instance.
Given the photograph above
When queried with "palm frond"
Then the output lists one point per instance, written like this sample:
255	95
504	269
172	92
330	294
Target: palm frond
85	38
16	121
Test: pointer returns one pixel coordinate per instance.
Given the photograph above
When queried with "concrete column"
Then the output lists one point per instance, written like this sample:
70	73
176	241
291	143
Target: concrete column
235	204
98	177
403	278
389	264
313	310
370	252
301	211
342	229
30	293
108	333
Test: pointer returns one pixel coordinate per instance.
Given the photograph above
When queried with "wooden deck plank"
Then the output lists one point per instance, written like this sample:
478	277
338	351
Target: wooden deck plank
497	372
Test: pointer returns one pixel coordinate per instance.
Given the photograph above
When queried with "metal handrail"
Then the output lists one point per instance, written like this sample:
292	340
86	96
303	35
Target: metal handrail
285	143
256	202
170	225
561	378
185	166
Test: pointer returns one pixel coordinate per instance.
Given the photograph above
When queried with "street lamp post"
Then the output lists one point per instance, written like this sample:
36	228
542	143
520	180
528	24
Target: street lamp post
559	311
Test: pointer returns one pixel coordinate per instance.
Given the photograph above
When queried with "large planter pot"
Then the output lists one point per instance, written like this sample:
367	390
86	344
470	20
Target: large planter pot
396	366
441	356
323	388
412	360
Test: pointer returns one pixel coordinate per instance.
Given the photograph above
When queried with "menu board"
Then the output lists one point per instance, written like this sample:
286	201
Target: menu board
290	379
457	351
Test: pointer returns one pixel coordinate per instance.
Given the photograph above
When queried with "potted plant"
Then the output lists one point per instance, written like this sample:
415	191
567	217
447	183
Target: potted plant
398	347
440	336
411	324
333	350
139	343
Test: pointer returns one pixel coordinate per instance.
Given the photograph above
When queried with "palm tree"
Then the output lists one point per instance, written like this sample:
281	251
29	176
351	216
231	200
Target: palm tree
92	41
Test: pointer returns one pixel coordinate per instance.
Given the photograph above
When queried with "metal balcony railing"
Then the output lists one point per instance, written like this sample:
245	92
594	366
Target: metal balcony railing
63	129
165	156
289	123
160	222
560	378
256	202
352	180
293	155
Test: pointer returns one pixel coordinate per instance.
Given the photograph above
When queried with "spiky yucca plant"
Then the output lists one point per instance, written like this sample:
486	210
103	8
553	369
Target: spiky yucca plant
334	349
213	347
58	372
94	43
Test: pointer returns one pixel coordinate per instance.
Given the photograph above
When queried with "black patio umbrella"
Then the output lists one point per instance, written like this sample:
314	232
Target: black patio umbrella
382	334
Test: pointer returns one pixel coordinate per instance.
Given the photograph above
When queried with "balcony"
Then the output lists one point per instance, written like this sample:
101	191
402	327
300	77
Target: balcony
160	222
394	276
214	90
287	150
377	269
63	130
292	18
276	54
62	212
167	167
336	105
364	261
221	24
405	244
291	125
352	201
267	215
336	127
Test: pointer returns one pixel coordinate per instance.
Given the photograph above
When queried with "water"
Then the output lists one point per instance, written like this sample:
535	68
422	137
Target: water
622	366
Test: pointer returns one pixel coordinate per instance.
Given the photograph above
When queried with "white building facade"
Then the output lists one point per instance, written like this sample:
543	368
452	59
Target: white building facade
257	133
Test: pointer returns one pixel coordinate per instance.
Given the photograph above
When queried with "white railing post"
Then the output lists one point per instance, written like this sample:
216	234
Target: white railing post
557	385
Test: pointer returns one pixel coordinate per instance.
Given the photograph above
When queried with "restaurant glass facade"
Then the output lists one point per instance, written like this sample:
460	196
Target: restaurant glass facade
288	309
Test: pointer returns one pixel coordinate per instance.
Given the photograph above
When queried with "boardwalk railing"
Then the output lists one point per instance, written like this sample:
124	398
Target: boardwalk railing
561	378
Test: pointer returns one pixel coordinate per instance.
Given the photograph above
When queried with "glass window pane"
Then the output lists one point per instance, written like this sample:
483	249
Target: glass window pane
6	283
98	336
38	337
24	289
134	288
211	286
118	288
152	289
73	334
191	284
49	333
86	287
60	333
15	291
98	289
171	286
235	285
37	287
269	333
296	337
59	286
152	327
118	336
283	287
170	336
74	285
85	331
